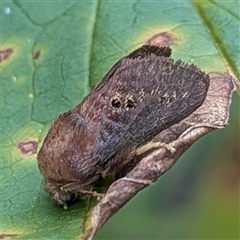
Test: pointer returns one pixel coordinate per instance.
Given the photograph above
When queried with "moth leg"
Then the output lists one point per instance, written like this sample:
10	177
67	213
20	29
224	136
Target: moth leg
91	193
151	145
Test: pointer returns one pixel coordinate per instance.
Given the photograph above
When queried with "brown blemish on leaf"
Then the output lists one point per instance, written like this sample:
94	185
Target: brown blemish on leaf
4	236
163	39
4	54
37	54
28	148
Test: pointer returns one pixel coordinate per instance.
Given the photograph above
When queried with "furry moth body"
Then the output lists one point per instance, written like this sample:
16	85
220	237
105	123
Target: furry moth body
142	94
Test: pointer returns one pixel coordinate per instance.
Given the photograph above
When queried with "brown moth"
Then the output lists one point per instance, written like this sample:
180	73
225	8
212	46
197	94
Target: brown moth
142	94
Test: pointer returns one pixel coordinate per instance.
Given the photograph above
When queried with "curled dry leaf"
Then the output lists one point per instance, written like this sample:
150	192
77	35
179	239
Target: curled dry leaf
213	114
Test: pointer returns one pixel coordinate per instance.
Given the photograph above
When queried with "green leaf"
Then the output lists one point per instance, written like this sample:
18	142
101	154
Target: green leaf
54	52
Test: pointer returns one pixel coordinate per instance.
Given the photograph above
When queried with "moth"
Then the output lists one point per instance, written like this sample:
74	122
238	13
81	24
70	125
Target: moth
143	93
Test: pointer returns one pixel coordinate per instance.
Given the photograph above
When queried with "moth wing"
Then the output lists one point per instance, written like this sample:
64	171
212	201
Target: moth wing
112	128
142	52
162	94
141	95
174	97
146	50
